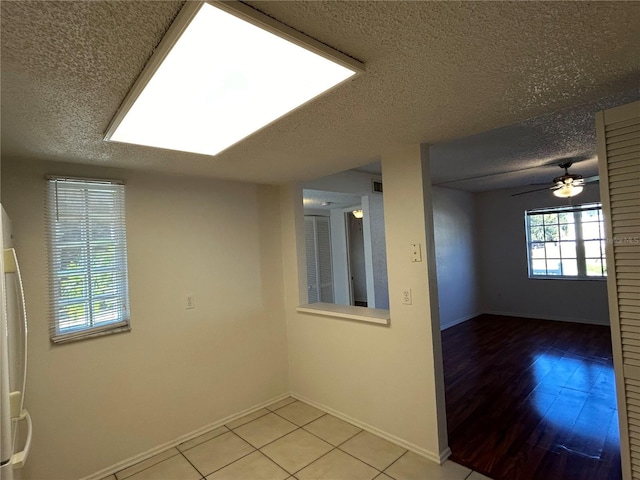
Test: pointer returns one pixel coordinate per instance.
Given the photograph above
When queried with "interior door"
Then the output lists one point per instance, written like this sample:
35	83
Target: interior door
618	132
318	258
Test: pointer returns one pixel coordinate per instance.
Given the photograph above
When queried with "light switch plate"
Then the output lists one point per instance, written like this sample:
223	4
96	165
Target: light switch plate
416	252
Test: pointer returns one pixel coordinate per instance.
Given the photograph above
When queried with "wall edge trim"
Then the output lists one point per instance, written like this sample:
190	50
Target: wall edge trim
547	317
459	321
438	458
116	467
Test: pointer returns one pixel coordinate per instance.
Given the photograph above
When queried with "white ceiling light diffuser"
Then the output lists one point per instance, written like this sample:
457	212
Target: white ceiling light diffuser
222	72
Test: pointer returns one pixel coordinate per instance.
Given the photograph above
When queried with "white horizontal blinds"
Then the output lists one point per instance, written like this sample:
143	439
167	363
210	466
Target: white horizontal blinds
87	258
619	163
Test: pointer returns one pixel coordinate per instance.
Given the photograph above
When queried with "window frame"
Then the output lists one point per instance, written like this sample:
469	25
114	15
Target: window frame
581	257
73	208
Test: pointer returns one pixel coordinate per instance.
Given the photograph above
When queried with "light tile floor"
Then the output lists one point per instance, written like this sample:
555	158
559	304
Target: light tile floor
291	440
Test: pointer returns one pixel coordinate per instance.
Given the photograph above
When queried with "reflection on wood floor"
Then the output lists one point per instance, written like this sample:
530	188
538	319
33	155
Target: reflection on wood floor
531	399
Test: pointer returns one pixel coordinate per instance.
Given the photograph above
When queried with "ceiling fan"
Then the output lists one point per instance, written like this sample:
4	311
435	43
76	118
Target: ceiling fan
566	185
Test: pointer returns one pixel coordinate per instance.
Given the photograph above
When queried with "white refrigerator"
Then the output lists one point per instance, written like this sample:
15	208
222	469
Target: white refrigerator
15	422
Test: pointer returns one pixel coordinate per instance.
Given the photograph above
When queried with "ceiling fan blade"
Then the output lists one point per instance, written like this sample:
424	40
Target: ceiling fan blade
531	191
593	179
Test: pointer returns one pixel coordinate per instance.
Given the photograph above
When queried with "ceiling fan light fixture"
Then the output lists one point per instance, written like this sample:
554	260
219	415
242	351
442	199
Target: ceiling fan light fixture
568	190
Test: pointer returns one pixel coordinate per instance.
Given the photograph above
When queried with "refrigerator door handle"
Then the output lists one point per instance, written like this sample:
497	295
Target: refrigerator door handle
11	265
18	459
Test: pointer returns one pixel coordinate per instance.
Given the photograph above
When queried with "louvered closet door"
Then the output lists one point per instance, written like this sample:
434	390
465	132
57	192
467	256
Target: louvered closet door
317	235
619	167
313	290
325	273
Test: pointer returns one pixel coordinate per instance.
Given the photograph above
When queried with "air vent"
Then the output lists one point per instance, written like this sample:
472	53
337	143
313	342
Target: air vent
376	186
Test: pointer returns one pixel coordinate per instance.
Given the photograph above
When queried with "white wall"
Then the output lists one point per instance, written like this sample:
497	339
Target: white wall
456	255
503	276
97	402
389	378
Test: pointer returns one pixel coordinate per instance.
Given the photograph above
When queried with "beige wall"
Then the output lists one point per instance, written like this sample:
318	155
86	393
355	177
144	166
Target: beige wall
97	402
382	377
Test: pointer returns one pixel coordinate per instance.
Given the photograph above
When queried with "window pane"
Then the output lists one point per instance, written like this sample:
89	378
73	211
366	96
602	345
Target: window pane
570	267
72	286
535	220
592	248
591	230
565	217
539	267
105	311
589	216
567	232
537	234
537	250
594	267
551	233
568	249
553	266
550	218
552	250
72	316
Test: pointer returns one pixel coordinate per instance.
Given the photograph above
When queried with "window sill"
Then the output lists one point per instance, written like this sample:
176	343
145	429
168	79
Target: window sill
347	312
572	279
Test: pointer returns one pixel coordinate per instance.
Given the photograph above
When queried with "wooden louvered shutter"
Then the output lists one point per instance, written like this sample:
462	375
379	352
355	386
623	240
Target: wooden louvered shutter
618	132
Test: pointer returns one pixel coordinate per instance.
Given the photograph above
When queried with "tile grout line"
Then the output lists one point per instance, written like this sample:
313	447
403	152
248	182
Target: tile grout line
335	447
202	476
274	462
146	468
397	459
259	449
230	463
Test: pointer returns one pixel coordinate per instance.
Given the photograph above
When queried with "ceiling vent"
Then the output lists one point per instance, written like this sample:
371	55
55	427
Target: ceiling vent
376	186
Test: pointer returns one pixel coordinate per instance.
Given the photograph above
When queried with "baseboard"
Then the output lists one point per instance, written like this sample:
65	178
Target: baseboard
177	441
458	321
554	318
445	455
438	458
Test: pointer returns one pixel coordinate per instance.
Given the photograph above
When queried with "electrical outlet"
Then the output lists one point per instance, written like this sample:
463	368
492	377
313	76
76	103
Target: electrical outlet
190	302
406	296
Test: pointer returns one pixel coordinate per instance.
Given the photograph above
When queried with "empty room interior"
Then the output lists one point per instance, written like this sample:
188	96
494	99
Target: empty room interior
320	240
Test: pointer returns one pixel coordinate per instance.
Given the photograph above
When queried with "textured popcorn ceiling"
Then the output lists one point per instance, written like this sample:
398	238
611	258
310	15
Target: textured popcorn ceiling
436	72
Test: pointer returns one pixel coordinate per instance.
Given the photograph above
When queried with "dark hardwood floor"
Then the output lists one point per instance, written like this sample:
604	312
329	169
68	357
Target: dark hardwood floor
531	399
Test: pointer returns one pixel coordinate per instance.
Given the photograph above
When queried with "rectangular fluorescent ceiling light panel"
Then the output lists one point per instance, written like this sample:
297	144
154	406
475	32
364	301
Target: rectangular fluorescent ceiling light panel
222	72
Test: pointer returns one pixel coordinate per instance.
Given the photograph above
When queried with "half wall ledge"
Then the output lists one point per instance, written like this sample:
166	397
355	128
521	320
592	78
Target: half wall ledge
348	312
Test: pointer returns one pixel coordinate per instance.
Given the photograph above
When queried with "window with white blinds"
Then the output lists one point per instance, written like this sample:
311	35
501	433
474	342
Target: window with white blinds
87	258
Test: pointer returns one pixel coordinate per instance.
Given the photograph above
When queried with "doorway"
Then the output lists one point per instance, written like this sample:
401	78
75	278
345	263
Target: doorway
356	255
